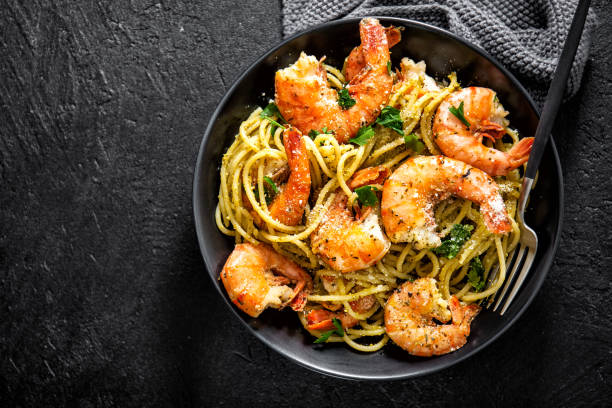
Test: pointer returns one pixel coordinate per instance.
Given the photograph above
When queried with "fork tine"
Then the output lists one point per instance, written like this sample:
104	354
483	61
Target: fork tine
521	253
489	300
493	277
520	279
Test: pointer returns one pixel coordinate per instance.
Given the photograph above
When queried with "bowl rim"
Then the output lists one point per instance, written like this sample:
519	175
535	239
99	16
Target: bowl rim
546	261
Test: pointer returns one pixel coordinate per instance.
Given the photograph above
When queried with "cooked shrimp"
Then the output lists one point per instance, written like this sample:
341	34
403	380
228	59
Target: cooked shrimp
252	285
288	206
415	187
410	314
321	319
355	62
306	100
347	243
485	116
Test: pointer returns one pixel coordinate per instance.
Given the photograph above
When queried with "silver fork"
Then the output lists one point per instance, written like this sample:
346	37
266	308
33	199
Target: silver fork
526	250
528	245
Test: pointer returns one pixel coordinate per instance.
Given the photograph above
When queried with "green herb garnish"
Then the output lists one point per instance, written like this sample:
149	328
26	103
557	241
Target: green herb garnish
367	196
270	111
390	117
314	133
267	195
413	143
458	112
389	67
476	274
344	99
363	136
338	330
453	242
271	184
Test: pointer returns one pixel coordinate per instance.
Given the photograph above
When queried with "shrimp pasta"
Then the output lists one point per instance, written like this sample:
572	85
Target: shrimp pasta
326	204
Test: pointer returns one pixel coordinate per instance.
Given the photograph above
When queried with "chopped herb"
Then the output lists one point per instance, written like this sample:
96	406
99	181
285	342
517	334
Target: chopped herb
267	195
367	195
338	324
338	330
476	275
413	143
390	117
363	136
314	133
458	112
453	242
344	99
389	67
271	184
272	110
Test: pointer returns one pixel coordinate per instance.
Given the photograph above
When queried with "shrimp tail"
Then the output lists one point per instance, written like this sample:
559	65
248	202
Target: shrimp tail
321	319
369	175
519	153
374	42
355	61
463	315
300	298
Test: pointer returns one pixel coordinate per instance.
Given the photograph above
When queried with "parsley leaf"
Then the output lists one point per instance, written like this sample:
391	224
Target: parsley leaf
367	196
458	112
313	133
390	117
363	136
389	67
476	275
272	110
344	99
324	337
338	330
413	143
271	184
453	242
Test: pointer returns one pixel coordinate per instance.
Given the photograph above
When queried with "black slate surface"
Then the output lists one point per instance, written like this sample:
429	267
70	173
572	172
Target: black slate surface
103	297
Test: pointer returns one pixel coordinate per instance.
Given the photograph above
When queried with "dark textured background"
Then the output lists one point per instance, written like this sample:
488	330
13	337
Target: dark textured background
103	296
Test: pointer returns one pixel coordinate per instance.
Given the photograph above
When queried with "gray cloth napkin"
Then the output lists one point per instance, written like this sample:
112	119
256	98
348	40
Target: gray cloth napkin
526	36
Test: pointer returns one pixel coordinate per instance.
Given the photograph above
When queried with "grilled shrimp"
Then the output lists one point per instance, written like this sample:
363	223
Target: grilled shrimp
288	206
485	116
410	314
347	243
415	187
306	100
321	319
256	277
355	62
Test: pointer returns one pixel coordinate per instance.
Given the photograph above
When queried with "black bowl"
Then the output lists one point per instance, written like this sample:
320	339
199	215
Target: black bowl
443	53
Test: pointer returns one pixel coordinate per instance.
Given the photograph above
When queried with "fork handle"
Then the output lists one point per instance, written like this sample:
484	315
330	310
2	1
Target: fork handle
522	201
557	88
